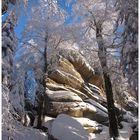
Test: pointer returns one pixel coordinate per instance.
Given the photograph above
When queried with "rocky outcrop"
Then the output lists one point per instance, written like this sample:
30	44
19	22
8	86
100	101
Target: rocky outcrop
72	69
69	87
74	89
76	109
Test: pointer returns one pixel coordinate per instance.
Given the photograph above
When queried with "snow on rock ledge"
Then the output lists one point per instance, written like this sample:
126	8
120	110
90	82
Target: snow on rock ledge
19	132
65	127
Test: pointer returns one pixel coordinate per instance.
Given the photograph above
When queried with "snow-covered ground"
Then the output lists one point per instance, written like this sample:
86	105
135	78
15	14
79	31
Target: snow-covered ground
65	127
125	133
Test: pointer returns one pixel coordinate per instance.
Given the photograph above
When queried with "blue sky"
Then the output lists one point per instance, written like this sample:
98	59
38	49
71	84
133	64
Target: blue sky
20	26
23	15
67	7
23	18
62	3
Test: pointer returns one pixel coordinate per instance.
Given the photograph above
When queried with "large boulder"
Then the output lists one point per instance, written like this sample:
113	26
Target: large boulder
65	127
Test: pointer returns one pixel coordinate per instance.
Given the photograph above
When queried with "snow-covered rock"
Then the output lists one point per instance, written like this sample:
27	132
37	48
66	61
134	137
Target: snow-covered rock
68	87
104	135
129	117
57	87
70	68
130	102
124	134
76	109
98	105
65	127
95	89
62	96
101	112
20	132
89	125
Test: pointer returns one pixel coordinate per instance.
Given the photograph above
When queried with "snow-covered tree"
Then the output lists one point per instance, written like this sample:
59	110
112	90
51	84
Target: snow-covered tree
128	23
9	42
17	3
42	35
100	17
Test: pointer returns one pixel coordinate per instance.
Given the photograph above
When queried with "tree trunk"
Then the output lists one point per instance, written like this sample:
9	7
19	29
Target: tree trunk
42	98
113	123
40	112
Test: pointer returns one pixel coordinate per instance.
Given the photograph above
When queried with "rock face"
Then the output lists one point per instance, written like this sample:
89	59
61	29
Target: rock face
69	87
72	69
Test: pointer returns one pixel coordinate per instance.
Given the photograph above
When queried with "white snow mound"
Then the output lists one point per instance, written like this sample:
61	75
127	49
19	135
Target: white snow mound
65	127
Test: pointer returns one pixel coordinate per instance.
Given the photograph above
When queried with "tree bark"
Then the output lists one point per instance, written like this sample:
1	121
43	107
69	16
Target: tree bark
40	112
113	122
42	98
